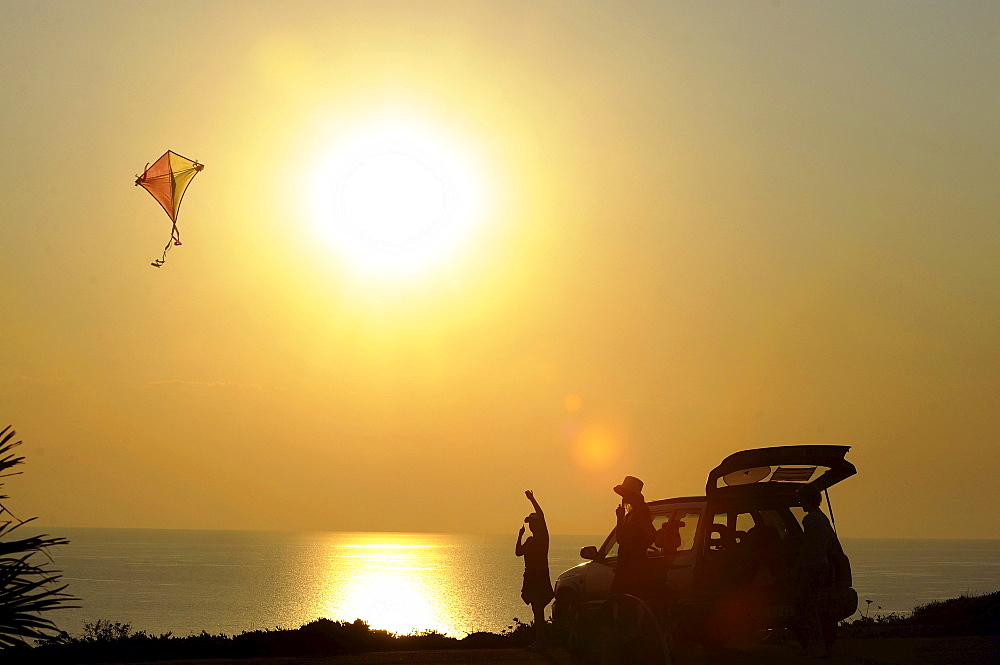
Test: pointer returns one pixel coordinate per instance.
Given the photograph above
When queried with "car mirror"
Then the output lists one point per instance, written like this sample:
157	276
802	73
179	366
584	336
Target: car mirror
589	552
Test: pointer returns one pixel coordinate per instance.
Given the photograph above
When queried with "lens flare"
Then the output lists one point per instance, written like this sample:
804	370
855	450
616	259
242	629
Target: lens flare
596	448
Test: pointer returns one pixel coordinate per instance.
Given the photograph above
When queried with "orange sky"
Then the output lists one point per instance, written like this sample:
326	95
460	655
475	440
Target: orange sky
701	229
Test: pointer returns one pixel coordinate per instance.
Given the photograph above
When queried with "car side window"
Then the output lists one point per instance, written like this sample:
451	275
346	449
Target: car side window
744	523
659	523
660	520
720	537
688	529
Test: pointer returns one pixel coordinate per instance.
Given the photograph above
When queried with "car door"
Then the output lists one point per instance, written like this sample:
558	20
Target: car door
680	564
601	571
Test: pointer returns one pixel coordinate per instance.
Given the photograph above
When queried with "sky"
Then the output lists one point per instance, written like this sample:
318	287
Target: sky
655	233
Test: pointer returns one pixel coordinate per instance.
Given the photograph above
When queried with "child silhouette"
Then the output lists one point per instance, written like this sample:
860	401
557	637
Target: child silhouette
536	590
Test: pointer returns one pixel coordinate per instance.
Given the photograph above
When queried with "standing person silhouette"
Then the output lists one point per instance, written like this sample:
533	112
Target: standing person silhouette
536	590
813	572
634	533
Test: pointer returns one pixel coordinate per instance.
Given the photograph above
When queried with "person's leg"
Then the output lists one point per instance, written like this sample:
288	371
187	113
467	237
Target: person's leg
829	633
538	610
812	581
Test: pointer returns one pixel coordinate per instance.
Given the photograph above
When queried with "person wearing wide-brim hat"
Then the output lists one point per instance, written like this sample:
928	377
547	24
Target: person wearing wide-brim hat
634	533
668	538
536	590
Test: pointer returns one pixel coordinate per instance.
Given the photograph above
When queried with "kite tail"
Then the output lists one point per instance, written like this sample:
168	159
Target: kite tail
163	259
175	239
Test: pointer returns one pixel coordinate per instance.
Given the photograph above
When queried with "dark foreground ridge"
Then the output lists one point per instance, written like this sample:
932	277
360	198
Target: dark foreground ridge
958	617
107	642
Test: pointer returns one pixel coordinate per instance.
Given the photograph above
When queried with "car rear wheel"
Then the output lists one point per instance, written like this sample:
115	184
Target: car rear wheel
627	631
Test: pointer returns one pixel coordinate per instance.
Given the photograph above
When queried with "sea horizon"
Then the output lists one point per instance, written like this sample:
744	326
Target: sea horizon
35	526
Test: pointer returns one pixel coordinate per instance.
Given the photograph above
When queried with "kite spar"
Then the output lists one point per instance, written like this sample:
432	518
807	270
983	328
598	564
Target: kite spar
167	180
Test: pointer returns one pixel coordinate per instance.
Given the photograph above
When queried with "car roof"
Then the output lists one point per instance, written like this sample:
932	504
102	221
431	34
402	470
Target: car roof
679	499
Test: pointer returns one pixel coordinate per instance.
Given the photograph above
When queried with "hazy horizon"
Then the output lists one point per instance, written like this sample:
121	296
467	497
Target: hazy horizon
444	252
601	535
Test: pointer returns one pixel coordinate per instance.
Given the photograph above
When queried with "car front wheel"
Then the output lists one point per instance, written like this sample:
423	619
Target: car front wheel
565	613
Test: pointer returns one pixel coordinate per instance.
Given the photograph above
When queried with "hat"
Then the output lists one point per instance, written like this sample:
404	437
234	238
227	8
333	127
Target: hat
631	486
530	518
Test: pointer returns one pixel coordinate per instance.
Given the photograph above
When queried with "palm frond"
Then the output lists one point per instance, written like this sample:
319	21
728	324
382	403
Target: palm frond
26	589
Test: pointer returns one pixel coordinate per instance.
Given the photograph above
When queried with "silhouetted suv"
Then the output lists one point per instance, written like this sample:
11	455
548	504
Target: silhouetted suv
724	563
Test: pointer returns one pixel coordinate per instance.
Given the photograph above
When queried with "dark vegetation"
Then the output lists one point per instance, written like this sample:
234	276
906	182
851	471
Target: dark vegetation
106	641
28	586
965	615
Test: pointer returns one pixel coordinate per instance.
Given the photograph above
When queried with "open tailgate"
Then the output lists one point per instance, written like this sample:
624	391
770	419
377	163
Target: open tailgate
779	470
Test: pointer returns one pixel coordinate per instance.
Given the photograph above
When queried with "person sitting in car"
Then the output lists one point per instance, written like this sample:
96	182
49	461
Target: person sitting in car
668	538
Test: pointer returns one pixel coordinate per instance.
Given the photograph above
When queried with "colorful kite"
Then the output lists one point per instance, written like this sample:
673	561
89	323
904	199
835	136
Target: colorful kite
166	180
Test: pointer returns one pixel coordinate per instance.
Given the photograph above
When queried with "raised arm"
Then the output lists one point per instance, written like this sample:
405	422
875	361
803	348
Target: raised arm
534	504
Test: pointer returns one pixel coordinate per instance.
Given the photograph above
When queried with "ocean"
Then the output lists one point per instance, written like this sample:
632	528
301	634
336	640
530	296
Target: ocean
228	582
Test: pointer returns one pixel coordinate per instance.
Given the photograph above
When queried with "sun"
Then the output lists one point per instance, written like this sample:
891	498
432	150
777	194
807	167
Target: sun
393	198
396	200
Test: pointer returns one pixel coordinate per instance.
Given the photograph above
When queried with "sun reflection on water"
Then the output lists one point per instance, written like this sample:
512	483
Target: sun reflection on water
395	582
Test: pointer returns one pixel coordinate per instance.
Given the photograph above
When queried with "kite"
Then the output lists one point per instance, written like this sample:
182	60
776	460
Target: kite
167	180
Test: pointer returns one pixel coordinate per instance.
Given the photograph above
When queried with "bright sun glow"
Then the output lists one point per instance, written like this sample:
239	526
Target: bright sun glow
397	582
395	200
